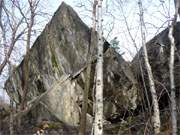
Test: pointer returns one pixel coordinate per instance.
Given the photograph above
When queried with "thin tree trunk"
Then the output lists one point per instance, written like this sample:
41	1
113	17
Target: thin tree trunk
82	130
156	114
11	127
11	120
26	59
171	71
139	61
98	125
25	74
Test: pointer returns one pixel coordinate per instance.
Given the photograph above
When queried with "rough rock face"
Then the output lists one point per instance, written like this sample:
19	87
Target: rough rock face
59	53
120	83
159	52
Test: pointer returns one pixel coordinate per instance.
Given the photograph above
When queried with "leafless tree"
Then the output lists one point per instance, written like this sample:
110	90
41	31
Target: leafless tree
171	69
156	114
33	4
29	18
120	8
17	22
16	33
98	124
82	130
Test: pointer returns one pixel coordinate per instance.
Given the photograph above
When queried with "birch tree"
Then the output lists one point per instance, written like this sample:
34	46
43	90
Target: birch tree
156	114
171	69
98	125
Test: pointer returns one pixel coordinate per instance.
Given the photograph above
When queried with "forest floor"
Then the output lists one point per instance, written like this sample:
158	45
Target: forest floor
131	125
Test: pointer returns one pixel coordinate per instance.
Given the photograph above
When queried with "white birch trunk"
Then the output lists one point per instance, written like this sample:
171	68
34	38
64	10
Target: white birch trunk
156	114
171	71
98	125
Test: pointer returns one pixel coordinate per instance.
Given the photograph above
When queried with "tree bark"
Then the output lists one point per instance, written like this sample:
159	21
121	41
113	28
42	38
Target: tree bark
177	7
156	114
171	70
30	24
11	122
25	72
82	130
98	125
